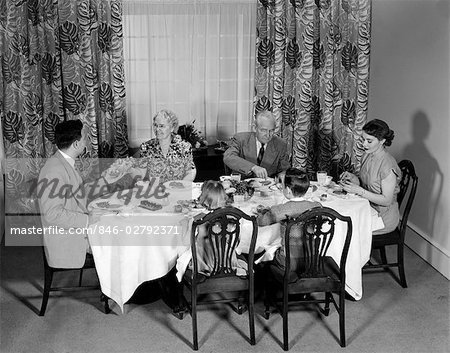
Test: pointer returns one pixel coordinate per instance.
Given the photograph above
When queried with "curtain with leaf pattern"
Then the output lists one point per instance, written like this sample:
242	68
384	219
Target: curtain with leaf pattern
312	72
60	60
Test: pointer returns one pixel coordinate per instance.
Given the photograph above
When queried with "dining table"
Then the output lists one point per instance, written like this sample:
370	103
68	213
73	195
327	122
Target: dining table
365	220
144	232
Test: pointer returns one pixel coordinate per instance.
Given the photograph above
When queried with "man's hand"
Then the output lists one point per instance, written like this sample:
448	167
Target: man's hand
279	179
260	172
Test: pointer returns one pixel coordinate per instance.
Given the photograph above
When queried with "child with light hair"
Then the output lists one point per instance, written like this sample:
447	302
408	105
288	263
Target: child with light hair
212	197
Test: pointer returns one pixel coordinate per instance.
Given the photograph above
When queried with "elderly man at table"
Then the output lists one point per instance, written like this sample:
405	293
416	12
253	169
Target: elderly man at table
62	199
259	152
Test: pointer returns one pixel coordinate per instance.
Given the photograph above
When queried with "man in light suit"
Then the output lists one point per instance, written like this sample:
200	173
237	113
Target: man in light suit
62	199
258	153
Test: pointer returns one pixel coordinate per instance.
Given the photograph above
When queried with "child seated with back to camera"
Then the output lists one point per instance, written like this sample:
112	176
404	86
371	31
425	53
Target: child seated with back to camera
212	197
295	186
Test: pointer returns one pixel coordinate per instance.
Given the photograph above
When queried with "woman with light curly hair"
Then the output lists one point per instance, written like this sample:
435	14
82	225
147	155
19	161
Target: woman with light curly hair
167	156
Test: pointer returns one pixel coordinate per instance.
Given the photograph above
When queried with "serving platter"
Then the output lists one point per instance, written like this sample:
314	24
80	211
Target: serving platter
103	204
178	185
260	182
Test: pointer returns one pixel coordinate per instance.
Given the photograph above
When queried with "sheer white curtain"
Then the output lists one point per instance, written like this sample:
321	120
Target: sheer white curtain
194	57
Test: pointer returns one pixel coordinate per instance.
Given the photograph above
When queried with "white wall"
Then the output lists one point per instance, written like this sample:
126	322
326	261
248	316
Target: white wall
409	88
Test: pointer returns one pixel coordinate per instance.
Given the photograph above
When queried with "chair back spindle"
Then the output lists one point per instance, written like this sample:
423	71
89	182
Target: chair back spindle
316	228
408	188
223	236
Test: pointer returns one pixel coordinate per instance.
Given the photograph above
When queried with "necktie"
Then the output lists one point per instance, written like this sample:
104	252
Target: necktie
260	155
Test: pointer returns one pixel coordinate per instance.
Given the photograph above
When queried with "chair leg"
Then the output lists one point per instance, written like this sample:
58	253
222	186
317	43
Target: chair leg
326	310
48	277
194	318
266	299
105	300
401	266
266	305
383	255
342	317
285	321
240	306
251	315
81	278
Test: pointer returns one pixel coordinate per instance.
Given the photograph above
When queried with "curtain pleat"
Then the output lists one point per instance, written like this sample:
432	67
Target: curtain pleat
312	72
60	60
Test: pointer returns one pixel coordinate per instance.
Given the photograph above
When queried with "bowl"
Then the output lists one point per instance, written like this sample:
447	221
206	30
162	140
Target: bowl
327	180
225	177
226	184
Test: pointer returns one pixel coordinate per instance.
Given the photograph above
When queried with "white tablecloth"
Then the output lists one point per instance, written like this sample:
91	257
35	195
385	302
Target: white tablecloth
127	252
129	246
364	218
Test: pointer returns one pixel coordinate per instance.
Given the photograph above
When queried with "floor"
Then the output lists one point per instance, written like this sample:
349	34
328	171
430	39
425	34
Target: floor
387	319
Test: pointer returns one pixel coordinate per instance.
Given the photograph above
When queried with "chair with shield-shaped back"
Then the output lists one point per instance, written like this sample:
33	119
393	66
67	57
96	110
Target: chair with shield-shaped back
315	272
222	236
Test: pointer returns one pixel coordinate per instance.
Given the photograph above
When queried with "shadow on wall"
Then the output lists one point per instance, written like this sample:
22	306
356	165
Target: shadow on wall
431	178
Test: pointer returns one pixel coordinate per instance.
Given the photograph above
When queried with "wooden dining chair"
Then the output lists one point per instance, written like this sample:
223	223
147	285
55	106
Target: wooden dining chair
316	272
408	188
223	235
48	279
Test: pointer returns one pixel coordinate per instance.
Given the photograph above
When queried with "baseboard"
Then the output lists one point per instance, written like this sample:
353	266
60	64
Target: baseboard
428	249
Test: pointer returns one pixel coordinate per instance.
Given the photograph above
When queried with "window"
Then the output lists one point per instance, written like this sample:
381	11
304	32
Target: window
196	59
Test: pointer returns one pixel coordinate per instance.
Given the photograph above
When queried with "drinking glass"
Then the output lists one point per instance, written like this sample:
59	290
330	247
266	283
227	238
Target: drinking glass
236	176
321	177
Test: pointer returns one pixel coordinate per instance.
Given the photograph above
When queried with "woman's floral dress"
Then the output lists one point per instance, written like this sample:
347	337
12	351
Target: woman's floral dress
174	166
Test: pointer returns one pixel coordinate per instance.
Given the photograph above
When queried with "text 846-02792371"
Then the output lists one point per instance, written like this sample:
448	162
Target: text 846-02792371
137	230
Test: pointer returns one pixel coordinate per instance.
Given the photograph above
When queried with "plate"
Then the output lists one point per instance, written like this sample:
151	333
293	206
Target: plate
225	177
230	190
261	182
178	185
310	192
276	187
117	170
151	206
112	175
188	206
341	194
112	205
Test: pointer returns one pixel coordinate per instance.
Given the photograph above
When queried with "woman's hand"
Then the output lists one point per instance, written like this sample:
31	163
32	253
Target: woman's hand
352	188
350	177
